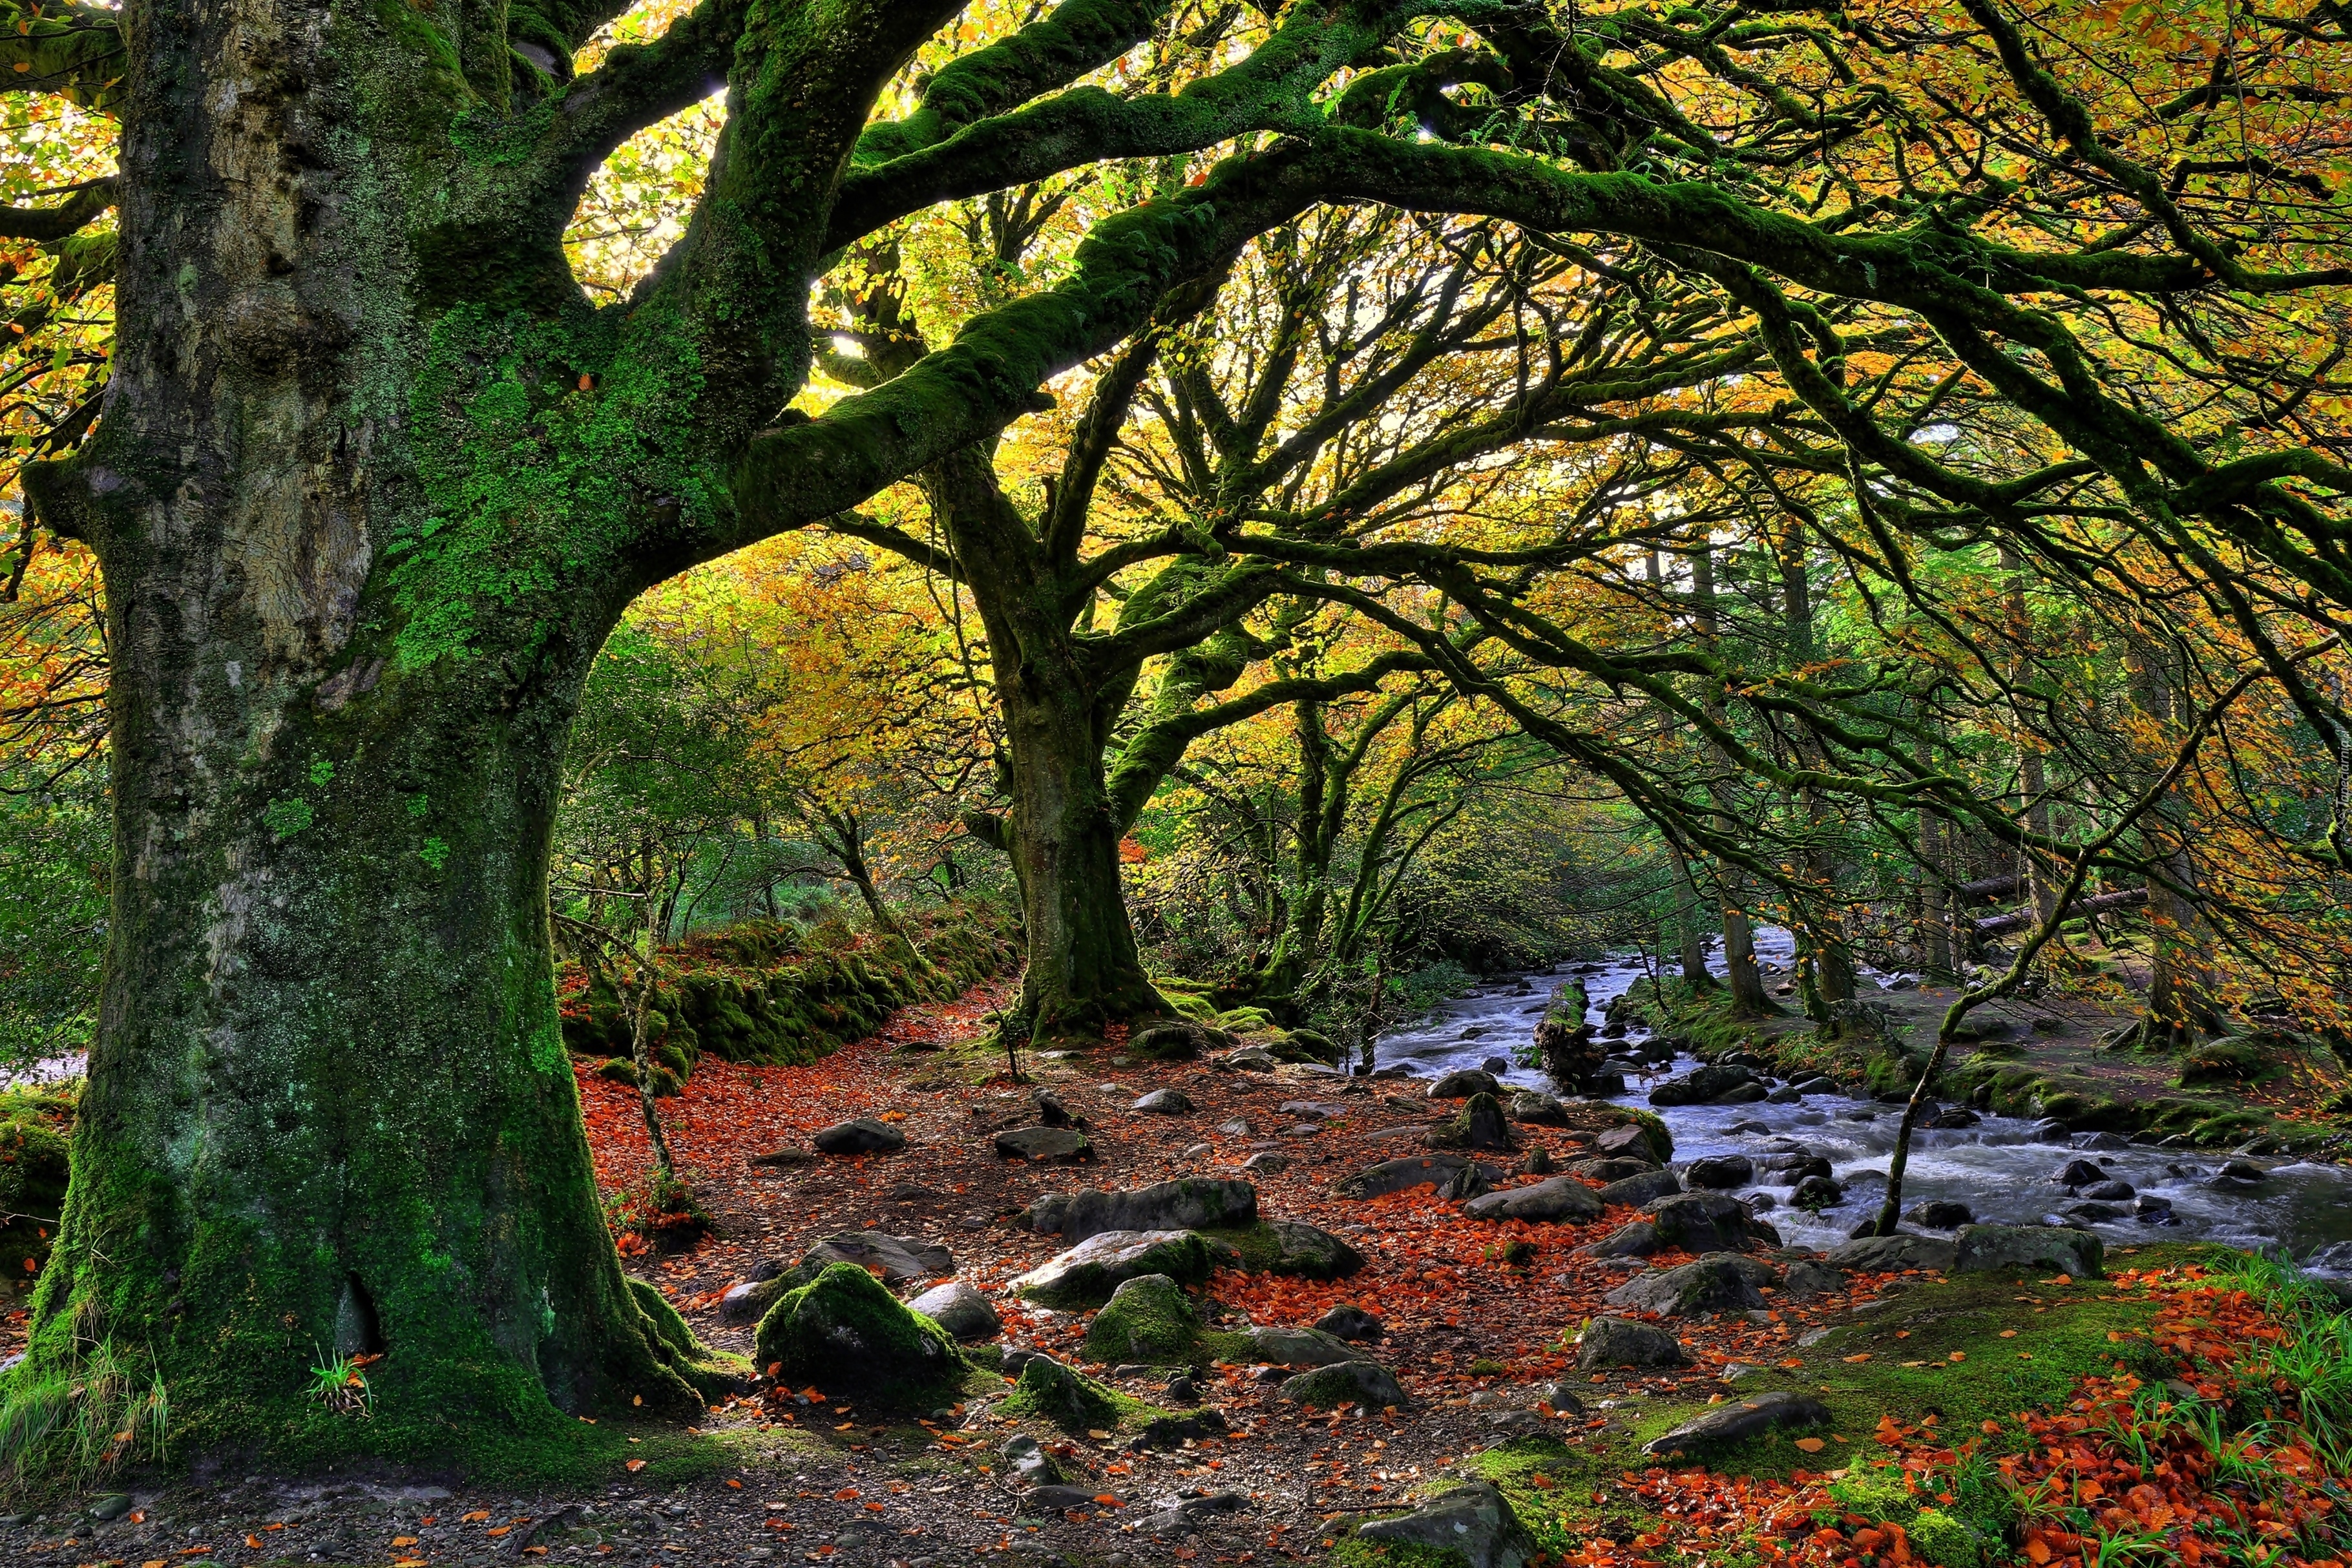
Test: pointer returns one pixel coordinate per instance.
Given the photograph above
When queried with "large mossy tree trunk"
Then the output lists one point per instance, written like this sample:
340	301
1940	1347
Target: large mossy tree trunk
1062	831
372	484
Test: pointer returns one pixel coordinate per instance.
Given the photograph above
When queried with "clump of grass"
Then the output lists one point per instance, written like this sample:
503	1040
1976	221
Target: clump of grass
342	1385
2308	1369
74	1424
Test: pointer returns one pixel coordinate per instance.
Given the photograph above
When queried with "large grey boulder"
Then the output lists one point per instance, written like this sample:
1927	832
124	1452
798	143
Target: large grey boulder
961	1310
1616	1167
1633	1138
1638	1239
1720	1172
896	1259
1346	1322
1892	1254
1474	1520
1343	1384
1702	1085
1640	1188
1560	1198
1300	1347
1622	1341
1746	1418
1534	1105
1721	1282
1413	1170
1462	1083
1087	1274
1984	1248
863	1136
1046	1146
1187	1203
1710	1222
1311	1252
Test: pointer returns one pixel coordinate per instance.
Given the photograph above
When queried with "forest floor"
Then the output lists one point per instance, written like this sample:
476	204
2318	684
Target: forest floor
1925	1381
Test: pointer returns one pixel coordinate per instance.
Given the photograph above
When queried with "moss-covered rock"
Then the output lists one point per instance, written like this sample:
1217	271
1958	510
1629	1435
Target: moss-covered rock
845	1333
1052	1392
35	1125
1148	1319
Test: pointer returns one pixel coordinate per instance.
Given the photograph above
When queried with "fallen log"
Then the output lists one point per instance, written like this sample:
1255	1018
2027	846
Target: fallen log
2006	925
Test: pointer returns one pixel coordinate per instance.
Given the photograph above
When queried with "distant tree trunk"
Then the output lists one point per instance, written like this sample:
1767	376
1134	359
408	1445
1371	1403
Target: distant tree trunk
1740	973
1935	898
2033	783
1063	832
2181	984
842	837
1825	958
1690	945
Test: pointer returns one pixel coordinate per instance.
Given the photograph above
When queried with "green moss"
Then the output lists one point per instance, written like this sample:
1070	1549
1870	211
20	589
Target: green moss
1049	1391
1150	1320
845	1333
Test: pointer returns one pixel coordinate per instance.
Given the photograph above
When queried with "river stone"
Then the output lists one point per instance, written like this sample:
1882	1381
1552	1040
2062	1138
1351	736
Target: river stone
1413	1170
1179	1040
2095	1213
1164	1103
1746	1094
1633	1138
1615	1168
1806	1279
1721	1282
1462	1083
1087	1274
899	1258
2100	1141
1300	1347
1817	1192
1986	1248
1044	1145
1637	1238
1793	1165
1702	1085
1953	1116
1475	1520
862	1136
1343	1384
961	1310
1027	1462
1310	1252
1534	1105
1174	1431
2079	1172
1148	1320
846	1334
1070	1400
1700	1222
2111	1191
1345	1321
1787	1094
1746	1418
1939	1214
1481	1125
1249	1059
1721	1171
1497	1064
1561	1197
1892	1254
1188	1203
748	1301
2242	1170
1622	1341
1269	1161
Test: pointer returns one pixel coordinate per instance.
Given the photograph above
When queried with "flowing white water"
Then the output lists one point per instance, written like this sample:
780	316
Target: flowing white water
1996	1167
